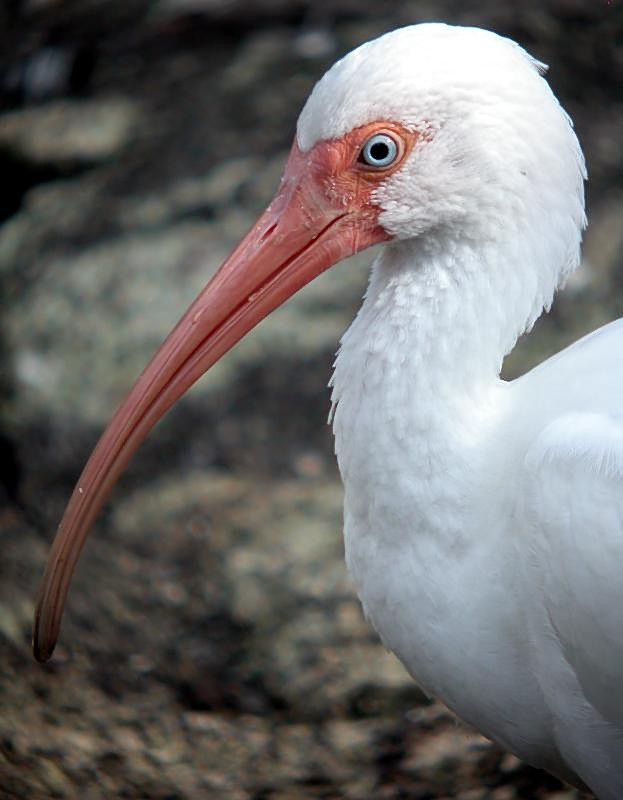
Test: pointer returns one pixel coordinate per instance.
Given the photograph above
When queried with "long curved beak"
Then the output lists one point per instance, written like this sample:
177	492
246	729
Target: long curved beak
303	231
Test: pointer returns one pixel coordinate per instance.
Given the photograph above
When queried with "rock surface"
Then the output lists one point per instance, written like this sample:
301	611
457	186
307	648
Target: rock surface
213	646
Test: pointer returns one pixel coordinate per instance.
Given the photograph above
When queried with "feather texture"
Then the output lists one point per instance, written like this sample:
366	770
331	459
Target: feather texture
483	519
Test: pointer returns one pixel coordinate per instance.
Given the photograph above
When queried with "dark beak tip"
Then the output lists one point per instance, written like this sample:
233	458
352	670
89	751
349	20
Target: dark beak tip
41	649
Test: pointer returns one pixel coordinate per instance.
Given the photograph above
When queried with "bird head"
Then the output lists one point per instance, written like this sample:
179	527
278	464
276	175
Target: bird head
475	119
428	129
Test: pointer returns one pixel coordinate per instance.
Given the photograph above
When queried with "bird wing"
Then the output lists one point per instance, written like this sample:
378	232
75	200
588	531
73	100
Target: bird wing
574	508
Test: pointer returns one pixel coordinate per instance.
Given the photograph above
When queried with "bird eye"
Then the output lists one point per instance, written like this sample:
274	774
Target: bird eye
379	151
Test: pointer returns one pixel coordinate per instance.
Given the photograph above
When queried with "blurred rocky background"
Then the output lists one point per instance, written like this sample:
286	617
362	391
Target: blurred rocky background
213	646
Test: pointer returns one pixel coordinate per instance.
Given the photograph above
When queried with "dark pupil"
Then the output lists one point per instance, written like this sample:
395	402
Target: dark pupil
379	151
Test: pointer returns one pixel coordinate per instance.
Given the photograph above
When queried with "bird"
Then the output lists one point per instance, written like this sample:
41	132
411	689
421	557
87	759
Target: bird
483	518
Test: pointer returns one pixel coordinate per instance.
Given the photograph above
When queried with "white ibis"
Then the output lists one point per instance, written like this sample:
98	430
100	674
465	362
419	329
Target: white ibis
483	518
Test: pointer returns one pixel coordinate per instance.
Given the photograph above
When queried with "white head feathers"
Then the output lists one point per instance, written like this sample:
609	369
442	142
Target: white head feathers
499	155
403	75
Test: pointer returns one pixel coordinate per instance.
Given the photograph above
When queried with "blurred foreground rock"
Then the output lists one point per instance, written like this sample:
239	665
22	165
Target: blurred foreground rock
224	655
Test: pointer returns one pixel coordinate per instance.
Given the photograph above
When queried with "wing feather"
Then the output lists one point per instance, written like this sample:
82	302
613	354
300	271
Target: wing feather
575	511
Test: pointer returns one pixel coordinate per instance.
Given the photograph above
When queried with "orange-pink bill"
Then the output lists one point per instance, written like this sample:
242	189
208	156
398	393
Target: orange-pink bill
323	211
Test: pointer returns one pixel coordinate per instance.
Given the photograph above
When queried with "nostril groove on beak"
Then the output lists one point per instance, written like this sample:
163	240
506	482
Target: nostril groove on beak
268	232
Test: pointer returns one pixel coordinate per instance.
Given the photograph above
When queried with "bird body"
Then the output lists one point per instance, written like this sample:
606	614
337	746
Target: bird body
464	501
483	518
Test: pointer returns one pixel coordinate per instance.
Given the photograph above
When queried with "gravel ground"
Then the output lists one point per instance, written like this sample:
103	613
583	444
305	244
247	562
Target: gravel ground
213	646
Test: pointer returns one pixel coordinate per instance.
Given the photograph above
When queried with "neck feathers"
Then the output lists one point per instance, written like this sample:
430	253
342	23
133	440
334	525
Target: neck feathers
438	320
416	379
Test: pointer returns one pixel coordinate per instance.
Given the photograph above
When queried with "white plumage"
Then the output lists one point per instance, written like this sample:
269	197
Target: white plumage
483	518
